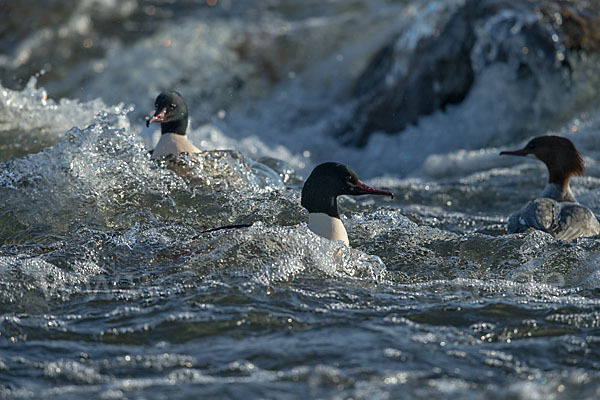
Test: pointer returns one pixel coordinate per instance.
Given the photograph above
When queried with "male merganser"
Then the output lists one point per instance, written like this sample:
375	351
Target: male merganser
556	211
171	112
319	196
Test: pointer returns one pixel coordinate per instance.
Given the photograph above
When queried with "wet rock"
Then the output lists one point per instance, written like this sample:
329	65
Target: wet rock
534	38
579	28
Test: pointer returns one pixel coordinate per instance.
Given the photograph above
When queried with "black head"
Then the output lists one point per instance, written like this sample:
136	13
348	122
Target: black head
328	181
558	153
171	111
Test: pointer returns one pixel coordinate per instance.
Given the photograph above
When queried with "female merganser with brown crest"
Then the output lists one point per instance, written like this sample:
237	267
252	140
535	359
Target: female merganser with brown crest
556	211
319	196
171	111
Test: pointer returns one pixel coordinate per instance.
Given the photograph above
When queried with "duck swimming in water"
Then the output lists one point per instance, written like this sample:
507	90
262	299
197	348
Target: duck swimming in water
319	196
171	111
556	211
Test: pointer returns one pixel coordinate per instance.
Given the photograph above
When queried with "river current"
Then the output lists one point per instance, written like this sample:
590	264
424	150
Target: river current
110	286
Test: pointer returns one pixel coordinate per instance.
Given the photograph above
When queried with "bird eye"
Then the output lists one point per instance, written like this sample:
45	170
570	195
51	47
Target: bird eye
349	178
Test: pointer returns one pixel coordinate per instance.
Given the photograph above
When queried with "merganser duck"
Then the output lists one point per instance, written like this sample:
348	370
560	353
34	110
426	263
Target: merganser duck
171	111
319	196
556	211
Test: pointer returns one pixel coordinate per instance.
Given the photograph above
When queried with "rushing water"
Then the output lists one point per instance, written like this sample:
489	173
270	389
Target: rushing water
111	288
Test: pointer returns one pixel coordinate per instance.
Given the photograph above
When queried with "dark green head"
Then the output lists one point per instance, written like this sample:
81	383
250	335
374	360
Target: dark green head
328	181
171	111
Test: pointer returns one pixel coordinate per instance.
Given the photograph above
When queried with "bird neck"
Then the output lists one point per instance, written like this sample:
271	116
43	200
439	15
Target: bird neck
179	127
559	192
323	204
328	227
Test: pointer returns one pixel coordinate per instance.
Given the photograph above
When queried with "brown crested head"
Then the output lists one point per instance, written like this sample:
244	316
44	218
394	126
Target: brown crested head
558	153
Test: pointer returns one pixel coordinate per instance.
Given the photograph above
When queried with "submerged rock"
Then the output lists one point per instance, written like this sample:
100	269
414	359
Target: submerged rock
534	39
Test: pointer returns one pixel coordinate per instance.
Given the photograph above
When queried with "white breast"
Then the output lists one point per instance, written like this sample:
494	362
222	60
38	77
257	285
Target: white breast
172	143
328	227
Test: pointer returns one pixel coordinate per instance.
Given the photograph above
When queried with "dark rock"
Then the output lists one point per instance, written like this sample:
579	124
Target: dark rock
535	37
579	28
